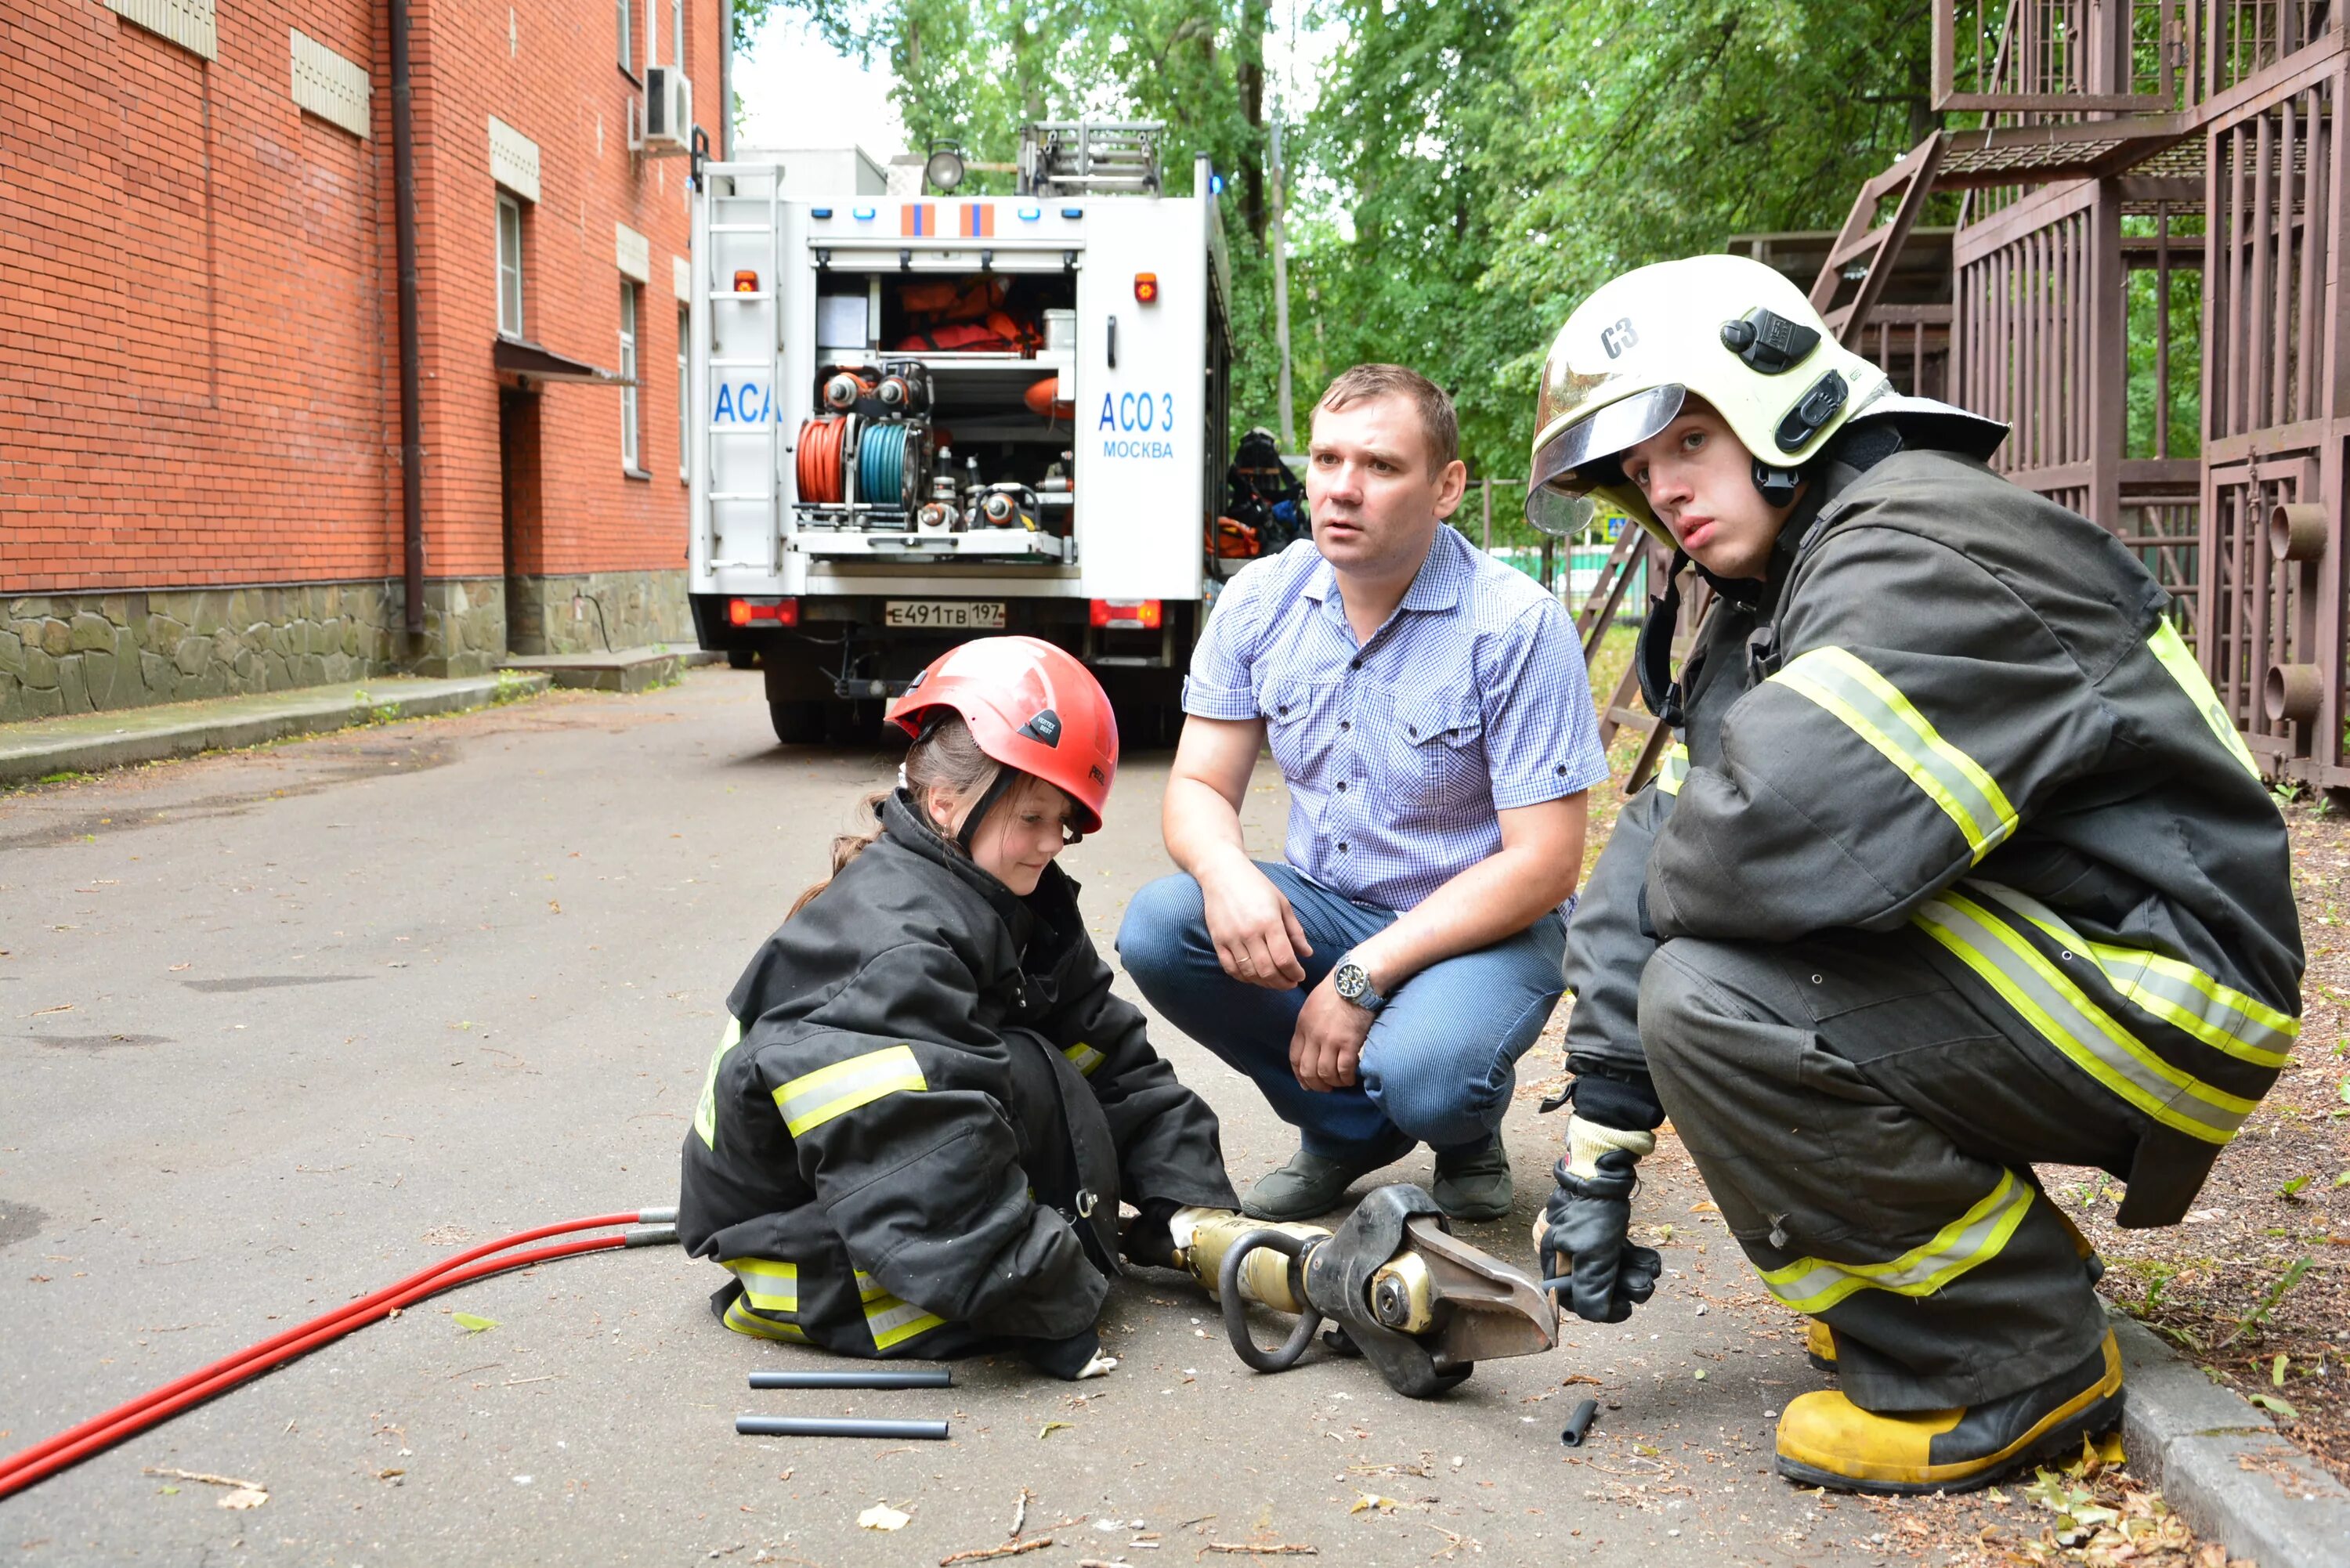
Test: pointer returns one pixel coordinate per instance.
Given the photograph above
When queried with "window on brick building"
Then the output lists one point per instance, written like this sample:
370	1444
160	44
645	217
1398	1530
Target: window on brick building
629	403
627	47
509	267
684	392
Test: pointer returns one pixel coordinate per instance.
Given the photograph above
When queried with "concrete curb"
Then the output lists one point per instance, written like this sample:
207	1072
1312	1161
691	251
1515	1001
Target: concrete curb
2222	1464
88	743
628	669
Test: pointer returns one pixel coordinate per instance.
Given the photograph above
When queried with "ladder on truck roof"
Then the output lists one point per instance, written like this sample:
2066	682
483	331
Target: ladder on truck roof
709	294
1090	157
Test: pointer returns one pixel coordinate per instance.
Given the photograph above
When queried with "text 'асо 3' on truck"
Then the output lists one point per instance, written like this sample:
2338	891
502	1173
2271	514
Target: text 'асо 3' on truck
921	419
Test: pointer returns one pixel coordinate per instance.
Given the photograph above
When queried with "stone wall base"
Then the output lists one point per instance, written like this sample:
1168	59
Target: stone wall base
595	612
79	653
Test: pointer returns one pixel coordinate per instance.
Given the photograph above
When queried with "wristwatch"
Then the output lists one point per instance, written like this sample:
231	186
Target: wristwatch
1352	981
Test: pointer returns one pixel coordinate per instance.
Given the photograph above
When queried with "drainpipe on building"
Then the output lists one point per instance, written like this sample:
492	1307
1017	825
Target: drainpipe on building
412	413
725	79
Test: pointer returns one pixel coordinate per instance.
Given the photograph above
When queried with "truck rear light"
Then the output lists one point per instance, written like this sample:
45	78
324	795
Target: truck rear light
1128	615
751	612
746	282
1145	288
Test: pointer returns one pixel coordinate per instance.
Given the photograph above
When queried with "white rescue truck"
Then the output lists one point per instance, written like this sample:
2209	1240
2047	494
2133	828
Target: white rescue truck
922	419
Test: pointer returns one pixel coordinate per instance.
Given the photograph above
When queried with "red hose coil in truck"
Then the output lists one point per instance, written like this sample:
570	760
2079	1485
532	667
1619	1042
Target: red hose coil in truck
821	445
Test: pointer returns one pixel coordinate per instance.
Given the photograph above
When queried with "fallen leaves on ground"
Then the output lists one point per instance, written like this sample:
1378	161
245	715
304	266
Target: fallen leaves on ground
2107	1518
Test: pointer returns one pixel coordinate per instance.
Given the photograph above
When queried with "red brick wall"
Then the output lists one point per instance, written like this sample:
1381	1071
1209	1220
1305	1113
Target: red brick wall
555	79
199	374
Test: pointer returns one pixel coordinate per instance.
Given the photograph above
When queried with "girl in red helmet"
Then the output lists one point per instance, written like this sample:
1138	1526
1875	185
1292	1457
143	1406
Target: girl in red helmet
926	1106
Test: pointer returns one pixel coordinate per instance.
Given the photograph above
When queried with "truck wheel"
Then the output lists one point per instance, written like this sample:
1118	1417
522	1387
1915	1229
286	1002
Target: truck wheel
741	658
797	723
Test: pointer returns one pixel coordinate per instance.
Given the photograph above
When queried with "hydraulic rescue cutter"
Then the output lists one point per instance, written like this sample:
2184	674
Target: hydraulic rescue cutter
1399	1289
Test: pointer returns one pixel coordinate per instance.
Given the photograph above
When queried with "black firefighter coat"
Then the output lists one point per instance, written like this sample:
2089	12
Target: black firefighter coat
1966	718
914	1136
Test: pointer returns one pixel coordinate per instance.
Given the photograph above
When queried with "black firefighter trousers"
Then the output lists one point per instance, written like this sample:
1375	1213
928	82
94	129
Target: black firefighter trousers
1869	1133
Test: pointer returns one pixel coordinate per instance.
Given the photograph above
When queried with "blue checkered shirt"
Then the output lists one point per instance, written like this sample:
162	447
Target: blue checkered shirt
1398	751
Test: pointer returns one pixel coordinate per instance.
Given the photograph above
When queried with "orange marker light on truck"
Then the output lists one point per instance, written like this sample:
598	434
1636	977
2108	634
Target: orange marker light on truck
1145	288
1128	615
749	612
746	282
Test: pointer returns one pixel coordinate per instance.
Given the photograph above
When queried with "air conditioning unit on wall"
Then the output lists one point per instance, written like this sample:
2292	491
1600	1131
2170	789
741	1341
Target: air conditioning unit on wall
665	119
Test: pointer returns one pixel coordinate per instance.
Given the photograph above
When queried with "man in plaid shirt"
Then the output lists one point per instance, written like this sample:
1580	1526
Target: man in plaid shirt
1428	707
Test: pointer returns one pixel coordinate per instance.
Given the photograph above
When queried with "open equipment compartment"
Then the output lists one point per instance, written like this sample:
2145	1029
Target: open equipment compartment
941	406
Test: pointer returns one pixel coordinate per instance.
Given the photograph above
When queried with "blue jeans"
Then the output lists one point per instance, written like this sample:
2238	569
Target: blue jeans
1442	1059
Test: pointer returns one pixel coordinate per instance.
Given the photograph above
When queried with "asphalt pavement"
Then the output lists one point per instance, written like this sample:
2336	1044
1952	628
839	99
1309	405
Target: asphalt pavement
278	1027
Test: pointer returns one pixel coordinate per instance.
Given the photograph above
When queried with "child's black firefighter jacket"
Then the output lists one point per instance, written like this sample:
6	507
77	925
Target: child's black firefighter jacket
925	1109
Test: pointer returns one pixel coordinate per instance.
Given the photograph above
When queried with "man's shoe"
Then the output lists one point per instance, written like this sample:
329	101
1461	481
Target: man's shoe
1819	1346
1474	1186
1824	1439
1308	1186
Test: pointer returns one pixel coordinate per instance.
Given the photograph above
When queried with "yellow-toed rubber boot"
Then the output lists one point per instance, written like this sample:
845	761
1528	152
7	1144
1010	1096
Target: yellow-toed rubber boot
1826	1440
1819	1346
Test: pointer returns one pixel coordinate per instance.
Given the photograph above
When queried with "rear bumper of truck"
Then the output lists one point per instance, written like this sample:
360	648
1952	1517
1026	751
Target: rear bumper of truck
841	645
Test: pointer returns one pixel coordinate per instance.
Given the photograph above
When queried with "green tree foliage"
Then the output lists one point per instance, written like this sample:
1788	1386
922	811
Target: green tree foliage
1405	126
1472	166
1652	128
2186	345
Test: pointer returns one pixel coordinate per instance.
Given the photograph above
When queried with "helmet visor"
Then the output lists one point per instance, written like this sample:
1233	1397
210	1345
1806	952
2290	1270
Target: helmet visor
1559	514
1579	457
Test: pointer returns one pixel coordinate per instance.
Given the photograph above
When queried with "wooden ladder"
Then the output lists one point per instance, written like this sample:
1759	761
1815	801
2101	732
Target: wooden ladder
1874	247
1634	549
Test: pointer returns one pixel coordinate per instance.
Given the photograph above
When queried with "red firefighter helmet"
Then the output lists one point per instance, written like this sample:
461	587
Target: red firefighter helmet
1032	707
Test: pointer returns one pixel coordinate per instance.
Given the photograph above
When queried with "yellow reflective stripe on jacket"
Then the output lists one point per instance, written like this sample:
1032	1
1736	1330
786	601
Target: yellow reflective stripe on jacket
2179	993
768	1283
1815	1284
817	1097
705	1115
2171	649
1084	1058
1876	711
2089	1036
891	1320
743	1320
1673	769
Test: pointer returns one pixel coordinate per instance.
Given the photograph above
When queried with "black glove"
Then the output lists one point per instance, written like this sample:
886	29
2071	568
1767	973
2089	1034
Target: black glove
1146	1240
1586	1240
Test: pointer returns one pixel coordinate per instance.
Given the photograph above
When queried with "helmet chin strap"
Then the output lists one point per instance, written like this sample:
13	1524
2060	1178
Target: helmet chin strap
1777	484
996	790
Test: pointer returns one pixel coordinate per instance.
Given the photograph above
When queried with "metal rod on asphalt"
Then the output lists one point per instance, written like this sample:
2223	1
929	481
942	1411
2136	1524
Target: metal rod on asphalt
835	1427
1579	1423
878	1377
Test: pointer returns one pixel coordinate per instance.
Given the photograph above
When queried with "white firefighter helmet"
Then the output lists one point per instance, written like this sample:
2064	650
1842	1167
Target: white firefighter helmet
1732	331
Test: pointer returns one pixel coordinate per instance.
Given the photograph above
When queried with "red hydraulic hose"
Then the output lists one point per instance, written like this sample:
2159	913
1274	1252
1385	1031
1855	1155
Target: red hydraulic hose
76	1443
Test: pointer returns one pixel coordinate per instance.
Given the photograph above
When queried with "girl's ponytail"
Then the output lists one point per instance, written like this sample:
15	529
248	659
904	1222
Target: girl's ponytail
945	758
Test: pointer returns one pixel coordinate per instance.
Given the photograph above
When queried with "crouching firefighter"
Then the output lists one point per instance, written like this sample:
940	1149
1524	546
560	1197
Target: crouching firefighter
1958	867
927	1104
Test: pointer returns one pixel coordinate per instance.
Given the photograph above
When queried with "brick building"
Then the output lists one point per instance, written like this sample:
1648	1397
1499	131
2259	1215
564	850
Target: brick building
201	388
